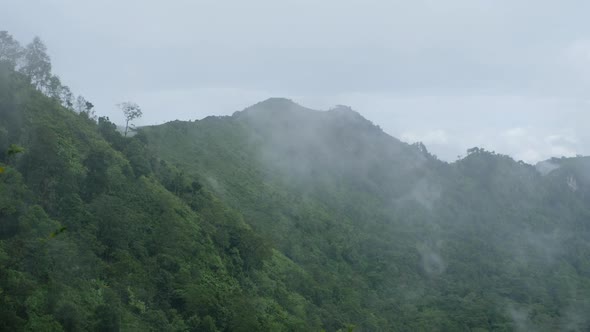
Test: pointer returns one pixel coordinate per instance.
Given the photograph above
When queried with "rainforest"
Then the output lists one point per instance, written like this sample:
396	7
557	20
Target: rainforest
275	218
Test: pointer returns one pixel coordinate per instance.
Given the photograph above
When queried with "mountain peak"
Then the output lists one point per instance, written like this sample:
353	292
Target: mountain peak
347	112
275	103
273	107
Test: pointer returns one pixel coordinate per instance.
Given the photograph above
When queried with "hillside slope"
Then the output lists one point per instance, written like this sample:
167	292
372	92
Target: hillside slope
97	234
393	238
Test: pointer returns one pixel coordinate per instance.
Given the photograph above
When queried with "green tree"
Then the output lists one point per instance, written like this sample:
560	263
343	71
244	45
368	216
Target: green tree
84	106
37	64
10	49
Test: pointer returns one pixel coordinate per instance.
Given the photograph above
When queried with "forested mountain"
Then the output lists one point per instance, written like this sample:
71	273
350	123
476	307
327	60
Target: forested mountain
393	238
277	218
98	234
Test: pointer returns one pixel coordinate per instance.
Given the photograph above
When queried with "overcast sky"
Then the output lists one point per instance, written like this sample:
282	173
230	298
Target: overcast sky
510	76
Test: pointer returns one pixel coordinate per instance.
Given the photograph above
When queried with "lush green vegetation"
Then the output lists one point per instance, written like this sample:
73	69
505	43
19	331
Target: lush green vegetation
98	234
278	218
393	238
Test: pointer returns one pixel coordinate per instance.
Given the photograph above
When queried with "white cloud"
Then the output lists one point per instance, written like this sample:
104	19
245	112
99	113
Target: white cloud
535	144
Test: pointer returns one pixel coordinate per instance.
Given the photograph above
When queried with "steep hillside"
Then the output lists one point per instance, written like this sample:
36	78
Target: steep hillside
97	234
393	238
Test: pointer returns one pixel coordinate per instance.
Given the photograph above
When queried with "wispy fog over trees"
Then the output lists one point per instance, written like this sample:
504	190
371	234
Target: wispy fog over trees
276	218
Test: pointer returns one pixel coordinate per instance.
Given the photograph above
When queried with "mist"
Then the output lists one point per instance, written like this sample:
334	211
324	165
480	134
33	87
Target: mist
294	166
445	74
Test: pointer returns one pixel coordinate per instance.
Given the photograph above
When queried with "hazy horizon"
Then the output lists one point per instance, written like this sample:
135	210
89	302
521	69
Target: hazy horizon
497	75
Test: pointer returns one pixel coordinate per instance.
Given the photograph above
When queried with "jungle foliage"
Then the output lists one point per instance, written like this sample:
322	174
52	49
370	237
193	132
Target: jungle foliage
277	218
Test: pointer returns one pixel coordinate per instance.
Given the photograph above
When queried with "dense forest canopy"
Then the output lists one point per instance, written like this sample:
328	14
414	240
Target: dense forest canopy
277	218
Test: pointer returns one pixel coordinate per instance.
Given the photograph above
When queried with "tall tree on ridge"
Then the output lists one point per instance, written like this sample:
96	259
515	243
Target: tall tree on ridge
37	64
131	111
10	49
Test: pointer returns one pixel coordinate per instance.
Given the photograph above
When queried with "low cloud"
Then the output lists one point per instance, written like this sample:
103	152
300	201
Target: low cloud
450	87
432	261
534	144
527	128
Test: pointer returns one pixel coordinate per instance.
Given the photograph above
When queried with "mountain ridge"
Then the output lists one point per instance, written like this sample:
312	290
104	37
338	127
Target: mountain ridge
373	187
282	106
276	220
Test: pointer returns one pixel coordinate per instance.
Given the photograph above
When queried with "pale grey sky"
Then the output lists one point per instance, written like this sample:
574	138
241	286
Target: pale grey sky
510	76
